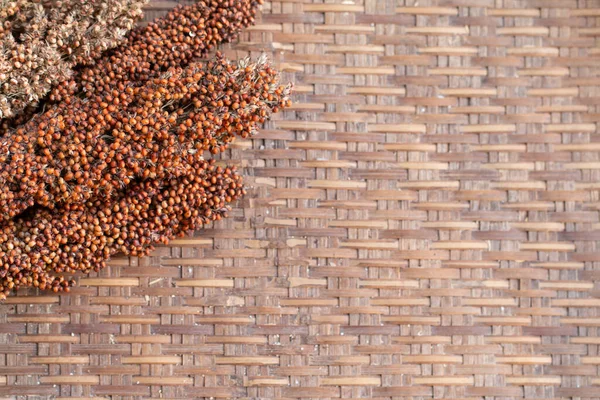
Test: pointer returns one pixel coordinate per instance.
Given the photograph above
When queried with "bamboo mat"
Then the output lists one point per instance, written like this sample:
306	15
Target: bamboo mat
424	223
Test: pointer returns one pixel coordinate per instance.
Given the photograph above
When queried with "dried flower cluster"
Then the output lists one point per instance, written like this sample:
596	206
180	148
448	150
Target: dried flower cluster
183	34
37	249
133	133
117	165
42	40
173	41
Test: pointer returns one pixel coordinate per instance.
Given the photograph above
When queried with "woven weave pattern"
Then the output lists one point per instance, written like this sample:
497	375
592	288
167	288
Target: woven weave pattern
423	223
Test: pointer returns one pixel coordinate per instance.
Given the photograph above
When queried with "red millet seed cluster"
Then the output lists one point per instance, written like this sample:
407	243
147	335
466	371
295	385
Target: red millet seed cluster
37	249
182	35
101	144
115	163
173	41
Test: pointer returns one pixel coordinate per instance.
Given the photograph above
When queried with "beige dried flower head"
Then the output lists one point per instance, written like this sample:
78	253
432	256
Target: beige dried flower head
42	40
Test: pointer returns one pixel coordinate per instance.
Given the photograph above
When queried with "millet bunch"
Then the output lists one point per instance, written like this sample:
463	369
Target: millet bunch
175	40
42	40
37	249
115	162
172	41
100	144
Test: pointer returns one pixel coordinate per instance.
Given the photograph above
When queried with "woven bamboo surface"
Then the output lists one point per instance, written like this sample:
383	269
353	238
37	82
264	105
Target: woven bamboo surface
423	224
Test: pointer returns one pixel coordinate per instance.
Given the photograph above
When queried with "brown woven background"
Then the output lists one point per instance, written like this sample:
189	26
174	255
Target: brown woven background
424	223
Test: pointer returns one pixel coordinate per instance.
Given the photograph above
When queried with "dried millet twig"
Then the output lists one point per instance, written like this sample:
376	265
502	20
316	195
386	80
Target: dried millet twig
173	41
130	213
75	238
101	144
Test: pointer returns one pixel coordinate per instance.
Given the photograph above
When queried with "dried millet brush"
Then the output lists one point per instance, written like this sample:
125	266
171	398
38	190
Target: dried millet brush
117	165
